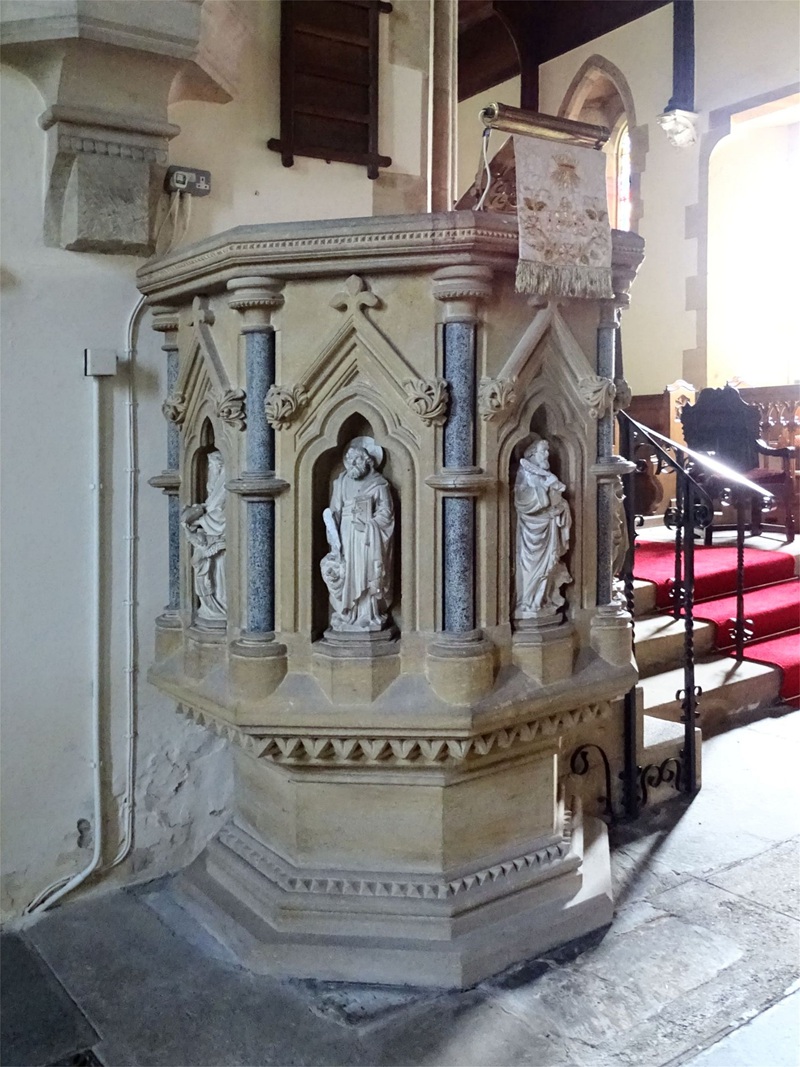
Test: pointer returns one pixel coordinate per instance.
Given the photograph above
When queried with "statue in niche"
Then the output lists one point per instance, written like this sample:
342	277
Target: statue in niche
543	529
205	531
360	527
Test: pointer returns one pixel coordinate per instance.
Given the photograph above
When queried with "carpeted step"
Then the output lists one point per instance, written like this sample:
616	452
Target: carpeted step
783	652
714	569
772	610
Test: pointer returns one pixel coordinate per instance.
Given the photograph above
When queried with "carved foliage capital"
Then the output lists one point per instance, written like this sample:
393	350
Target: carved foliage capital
495	396
598	394
622	394
282	403
429	398
174	408
231	408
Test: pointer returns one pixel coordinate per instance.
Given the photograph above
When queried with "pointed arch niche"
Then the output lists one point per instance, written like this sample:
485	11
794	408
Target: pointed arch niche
599	93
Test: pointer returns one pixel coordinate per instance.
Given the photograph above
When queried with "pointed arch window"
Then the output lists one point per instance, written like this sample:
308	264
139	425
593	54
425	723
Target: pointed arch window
618	177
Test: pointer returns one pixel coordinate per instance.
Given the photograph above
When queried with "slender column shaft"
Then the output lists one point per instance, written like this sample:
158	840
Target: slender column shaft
458	515
459	289
166	321
459	370
173	433
606	338
458	560
260	368
174	512
260	566
682	56
174	552
256	298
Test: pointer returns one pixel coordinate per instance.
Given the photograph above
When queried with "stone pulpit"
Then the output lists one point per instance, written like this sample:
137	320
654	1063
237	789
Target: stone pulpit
393	507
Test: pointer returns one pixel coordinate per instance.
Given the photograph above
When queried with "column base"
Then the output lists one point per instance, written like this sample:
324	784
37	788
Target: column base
612	635
419	930
544	649
355	668
257	665
204	649
169	633
461	667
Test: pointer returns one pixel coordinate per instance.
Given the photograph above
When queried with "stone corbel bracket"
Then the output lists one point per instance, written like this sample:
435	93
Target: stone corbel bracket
106	172
107	72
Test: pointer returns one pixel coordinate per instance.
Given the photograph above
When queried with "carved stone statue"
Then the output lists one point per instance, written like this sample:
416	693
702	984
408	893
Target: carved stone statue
205	530
543	529
360	527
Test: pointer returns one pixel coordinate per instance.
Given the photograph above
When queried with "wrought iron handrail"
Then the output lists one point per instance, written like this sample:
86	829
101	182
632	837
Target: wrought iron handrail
727	474
699	478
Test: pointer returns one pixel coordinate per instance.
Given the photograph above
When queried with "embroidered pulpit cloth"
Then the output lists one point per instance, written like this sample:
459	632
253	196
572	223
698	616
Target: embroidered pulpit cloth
564	231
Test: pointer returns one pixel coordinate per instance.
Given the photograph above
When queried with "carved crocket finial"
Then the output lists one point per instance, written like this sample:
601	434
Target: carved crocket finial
429	398
282	404
354	296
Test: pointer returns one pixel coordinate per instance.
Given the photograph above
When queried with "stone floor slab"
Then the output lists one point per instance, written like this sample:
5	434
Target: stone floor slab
771	879
39	1022
773	1038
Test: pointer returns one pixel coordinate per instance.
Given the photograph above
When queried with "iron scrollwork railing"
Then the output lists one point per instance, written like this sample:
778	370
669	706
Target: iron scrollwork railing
700	480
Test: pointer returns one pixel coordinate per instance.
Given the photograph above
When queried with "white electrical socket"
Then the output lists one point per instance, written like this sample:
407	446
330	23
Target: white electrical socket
99	362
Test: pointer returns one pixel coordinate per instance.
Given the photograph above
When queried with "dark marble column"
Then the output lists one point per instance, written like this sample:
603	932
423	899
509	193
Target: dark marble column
256	298
460	289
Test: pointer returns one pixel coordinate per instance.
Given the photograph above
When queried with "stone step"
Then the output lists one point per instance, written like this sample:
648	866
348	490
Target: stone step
729	689
659	642
644	597
663	742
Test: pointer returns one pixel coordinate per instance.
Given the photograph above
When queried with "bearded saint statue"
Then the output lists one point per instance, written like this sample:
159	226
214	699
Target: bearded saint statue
543	528
205	531
360	526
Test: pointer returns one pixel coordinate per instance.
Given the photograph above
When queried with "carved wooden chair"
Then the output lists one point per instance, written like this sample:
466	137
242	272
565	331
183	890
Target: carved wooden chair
722	425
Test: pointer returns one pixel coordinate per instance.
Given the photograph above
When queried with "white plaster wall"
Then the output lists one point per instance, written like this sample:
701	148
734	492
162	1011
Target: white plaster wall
470	129
250	183
753	270
54	304
743	48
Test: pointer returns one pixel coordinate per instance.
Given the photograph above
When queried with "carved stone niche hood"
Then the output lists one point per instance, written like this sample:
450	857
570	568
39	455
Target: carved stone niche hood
401	815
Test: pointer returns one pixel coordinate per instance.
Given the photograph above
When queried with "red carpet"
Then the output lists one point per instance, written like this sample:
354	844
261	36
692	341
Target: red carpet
714	569
773	609
783	652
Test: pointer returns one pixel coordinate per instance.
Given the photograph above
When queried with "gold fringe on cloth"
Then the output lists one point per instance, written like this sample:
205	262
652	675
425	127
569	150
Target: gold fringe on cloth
541	278
564	231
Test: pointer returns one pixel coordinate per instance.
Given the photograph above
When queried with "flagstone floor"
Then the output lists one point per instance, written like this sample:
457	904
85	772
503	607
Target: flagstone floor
700	966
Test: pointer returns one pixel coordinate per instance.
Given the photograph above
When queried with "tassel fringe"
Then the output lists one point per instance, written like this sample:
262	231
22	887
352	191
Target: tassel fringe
546	280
